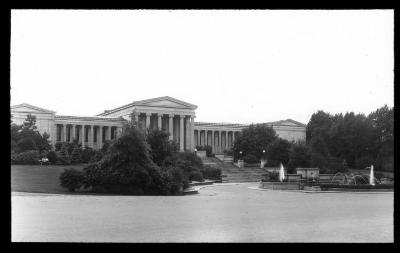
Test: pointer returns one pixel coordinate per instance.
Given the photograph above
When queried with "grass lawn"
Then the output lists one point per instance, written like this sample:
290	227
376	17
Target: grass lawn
37	178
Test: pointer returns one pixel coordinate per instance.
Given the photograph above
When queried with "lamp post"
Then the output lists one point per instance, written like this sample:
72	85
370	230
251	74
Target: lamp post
240	162
195	151
262	162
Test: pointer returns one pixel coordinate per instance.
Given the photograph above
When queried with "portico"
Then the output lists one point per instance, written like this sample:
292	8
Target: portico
164	113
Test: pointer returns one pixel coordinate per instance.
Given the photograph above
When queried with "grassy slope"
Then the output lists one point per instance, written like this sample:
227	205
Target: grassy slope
36	178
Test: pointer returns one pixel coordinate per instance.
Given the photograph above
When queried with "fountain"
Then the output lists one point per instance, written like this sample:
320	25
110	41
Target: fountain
281	173
371	176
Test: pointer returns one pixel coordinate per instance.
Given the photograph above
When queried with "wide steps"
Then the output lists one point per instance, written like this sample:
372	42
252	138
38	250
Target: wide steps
232	173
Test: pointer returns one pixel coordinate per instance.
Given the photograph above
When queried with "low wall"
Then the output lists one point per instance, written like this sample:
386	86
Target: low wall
280	185
201	153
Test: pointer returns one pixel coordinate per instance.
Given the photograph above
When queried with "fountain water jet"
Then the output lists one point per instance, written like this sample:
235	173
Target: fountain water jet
371	176
281	173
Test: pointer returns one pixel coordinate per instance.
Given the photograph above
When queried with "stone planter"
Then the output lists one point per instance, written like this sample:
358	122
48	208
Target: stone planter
280	185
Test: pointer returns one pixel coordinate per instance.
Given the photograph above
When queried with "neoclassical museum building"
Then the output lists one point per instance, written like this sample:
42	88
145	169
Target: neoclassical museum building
169	114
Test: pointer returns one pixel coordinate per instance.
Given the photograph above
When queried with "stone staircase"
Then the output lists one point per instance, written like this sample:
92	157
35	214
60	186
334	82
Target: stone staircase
233	174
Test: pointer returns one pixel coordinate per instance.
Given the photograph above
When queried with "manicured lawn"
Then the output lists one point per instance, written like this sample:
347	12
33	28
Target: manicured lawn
37	178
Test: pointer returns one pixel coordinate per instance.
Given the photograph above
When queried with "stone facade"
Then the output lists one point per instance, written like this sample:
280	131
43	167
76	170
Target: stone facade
166	113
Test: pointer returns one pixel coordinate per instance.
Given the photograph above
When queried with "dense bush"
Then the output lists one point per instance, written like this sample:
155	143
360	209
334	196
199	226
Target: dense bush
26	144
87	154
127	168
63	156
27	157
97	155
211	173
196	176
251	159
160	146
52	156
72	179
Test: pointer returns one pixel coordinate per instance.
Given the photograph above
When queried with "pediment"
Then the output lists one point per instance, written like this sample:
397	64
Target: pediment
288	122
29	109
165	102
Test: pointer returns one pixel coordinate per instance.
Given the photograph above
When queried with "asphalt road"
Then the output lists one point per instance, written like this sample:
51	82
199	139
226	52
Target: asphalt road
219	213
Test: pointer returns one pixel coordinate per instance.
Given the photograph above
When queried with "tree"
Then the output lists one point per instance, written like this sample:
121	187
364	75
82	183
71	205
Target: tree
299	156
160	146
26	144
64	156
29	123
278	152
383	124
27	137
253	140
127	167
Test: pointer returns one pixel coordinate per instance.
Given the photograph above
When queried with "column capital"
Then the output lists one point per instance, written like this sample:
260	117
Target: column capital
182	116
148	113
171	115
160	114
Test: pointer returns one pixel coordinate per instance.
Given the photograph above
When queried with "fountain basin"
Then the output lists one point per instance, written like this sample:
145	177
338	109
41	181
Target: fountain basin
280	185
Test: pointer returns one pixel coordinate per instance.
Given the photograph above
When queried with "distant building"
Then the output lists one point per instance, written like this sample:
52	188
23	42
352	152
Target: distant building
166	113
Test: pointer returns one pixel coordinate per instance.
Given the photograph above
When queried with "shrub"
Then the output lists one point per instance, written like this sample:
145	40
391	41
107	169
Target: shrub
26	144
96	156
250	158
63	155
52	156
127	168
87	154
76	155
206	148
196	176
177	179
27	157
211	173
72	179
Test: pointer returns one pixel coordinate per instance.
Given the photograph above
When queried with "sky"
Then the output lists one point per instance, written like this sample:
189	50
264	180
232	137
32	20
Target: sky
237	66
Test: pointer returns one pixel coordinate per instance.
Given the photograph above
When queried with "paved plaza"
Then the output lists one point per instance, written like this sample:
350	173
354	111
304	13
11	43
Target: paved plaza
219	213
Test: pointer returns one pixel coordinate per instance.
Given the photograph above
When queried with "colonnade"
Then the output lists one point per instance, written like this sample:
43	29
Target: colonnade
92	136
179	126
219	140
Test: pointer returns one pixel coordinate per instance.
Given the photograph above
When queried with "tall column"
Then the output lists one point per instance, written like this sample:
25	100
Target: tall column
90	136
73	137
118	132
219	141
64	136
82	137
137	118
212	141
53	135
171	126
108	137
100	137
226	139
181	133
233	138
188	133
160	121
198	137
148	120
191	133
